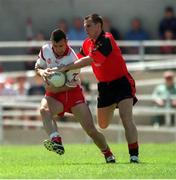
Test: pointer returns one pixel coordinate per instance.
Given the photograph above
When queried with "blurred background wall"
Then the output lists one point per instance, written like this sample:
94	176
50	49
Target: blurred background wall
46	13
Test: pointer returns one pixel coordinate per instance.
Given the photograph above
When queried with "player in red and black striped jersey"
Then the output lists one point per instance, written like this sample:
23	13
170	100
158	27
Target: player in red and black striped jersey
116	87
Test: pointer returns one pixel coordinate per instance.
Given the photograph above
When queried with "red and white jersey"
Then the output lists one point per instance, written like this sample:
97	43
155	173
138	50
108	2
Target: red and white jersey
48	59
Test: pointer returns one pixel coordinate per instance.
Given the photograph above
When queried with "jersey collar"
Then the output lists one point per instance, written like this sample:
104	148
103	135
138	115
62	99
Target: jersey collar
65	53
100	36
95	41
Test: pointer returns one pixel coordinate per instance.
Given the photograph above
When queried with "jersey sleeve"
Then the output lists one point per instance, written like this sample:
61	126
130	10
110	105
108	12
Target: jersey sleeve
73	75
73	78
101	51
41	61
73	55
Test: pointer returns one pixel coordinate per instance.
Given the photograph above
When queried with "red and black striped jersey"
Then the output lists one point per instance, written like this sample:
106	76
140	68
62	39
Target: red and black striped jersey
108	62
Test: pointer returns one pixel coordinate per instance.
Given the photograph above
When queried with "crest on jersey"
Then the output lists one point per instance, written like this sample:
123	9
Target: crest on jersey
49	61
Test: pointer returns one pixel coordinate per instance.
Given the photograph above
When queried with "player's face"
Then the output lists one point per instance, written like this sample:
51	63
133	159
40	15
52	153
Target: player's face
91	28
60	47
169	81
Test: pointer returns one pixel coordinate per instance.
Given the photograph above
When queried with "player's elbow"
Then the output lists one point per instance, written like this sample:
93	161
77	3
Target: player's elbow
44	110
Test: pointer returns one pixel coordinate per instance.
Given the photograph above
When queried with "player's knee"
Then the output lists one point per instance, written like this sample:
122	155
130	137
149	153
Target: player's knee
44	110
103	125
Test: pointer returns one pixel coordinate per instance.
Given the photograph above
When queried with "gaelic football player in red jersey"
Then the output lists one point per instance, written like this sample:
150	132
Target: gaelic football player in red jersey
68	98
116	87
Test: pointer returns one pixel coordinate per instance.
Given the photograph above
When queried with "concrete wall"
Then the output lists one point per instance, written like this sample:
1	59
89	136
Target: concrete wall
72	135
45	14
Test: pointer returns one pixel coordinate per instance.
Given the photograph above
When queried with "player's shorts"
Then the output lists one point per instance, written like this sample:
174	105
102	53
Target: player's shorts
116	90
68	98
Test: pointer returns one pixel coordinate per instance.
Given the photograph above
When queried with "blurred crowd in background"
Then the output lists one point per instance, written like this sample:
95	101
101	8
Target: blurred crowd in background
75	31
136	32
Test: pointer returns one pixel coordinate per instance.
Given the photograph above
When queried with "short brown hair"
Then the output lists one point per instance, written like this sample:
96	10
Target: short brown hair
57	35
95	18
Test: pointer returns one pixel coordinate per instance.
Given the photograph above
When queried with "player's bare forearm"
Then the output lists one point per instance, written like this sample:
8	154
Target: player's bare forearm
85	61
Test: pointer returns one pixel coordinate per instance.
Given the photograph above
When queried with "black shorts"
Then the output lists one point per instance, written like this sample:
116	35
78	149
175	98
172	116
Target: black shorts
116	90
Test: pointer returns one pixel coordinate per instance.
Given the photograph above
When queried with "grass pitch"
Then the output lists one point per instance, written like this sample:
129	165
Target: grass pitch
85	161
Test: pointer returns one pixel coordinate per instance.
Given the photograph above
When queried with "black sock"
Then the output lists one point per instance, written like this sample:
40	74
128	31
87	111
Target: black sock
133	149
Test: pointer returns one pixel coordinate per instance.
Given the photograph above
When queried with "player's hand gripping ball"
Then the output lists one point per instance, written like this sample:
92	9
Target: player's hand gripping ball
57	79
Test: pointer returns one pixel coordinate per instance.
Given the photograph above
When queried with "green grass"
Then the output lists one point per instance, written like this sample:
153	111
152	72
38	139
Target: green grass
85	161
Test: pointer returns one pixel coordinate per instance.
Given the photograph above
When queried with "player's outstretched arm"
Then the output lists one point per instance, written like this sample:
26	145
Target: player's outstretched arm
80	63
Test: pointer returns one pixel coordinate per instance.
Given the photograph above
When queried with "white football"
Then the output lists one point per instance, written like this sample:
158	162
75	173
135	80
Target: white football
57	79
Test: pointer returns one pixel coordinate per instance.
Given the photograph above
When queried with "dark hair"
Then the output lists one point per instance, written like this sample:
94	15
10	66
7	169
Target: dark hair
95	18
57	35
169	9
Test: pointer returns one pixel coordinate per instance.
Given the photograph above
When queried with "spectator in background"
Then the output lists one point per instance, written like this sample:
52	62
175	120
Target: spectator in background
21	86
29	65
136	32
168	22
6	89
168	49
161	96
76	32
37	87
6	86
107	26
63	25
3	90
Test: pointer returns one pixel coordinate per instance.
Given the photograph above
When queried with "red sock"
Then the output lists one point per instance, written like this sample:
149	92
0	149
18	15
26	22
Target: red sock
133	149
57	139
107	152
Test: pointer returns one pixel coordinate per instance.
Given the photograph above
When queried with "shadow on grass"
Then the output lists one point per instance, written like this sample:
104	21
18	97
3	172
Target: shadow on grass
111	164
88	163
114	164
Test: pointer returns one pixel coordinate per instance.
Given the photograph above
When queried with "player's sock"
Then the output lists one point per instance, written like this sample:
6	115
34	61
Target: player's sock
107	152
54	145
109	157
54	134
57	140
56	137
133	149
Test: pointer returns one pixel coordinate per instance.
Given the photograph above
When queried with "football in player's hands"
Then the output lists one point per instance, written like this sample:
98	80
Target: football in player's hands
57	79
